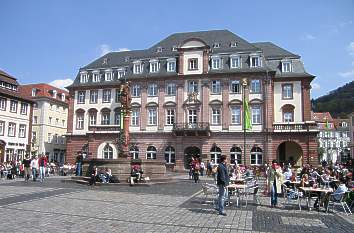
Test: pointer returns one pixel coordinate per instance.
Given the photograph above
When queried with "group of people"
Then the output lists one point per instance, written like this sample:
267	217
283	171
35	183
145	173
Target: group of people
338	178
196	169
103	175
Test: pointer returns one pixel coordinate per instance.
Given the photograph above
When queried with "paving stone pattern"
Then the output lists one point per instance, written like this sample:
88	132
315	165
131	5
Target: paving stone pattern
180	206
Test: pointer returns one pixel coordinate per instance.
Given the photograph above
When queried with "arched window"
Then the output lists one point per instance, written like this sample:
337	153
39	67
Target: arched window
134	152
215	154
105	116
92	116
151	152
288	113
170	155
236	155
117	116
108	152
256	156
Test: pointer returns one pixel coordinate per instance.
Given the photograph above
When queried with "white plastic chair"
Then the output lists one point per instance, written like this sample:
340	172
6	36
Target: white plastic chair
209	190
338	198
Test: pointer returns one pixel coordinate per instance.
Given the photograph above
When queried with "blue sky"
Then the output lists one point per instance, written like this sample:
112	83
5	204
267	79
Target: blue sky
48	41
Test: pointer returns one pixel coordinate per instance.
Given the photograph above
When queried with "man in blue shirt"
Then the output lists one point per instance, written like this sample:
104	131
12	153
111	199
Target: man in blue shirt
222	181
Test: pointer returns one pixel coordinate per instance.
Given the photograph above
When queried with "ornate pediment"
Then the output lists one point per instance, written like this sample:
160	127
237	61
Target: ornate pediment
192	99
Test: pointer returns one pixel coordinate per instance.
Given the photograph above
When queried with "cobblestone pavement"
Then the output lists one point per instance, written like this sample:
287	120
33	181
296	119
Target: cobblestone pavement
54	206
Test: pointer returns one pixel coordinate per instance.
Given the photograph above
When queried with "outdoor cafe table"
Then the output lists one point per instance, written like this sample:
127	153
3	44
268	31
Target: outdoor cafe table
308	190
237	180
237	188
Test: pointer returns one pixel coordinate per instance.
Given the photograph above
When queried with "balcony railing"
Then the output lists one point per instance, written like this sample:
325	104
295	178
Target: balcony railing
96	128
295	127
191	129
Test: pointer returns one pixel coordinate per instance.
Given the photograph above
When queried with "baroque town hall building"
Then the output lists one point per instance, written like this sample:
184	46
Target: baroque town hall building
187	100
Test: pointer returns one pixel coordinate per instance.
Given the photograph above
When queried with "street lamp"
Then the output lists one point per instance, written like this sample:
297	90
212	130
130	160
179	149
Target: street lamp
244	85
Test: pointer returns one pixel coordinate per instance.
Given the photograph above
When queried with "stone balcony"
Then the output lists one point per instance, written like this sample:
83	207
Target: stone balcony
104	128
191	129
295	127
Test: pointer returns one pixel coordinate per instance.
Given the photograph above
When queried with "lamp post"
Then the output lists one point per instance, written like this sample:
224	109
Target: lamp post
244	85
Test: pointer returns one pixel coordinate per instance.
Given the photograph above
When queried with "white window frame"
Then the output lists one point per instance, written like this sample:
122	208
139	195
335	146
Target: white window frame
13	106
137	67
256	155
151	154
215	155
93	119
106	95
152	89
81	97
233	87
105	118
154	66
192	116
95	76
287	91
288	116
193	64
152	116
235	115
171	89
34	92
255	61
136	90
216	87
193	87
216	116
117	116
107	152
11	129
216	63
2	128
256	114
169	153
255	86
3	102
120	73
171	65
236	156
134	152
233	64
170	116
135	117
93	96
24	108
80	121
286	66
83	77
108	75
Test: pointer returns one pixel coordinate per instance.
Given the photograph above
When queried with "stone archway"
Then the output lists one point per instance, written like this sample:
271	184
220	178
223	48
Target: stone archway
290	152
190	152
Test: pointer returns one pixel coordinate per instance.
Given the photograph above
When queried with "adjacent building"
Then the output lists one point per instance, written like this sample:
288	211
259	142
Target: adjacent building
333	137
15	120
188	93
50	115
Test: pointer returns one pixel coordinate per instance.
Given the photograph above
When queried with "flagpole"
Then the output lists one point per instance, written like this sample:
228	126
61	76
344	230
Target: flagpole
244	84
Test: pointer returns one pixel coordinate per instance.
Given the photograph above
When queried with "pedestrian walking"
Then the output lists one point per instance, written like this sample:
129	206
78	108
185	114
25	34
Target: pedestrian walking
222	182
35	167
79	159
42	167
27	167
275	180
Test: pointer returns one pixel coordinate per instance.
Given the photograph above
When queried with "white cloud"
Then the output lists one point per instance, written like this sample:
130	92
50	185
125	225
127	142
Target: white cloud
61	83
350	48
308	36
123	49
104	49
347	74
315	86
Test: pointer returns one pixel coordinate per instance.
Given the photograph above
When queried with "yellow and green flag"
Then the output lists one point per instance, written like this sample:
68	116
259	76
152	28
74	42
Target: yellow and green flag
247	121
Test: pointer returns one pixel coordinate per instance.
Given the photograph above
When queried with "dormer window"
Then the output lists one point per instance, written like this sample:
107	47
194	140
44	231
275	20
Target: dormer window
193	64
216	45
83	77
233	44
171	65
154	66
120	72
54	94
255	61
159	49
108	75
235	61
95	76
215	62
137	67
174	48
34	92
286	66
63	97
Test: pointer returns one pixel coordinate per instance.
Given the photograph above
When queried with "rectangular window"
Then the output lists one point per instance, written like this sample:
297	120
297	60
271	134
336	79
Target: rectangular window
93	96
288	117
11	129
84	78
137	69
286	67
216	63
117	99
22	131
154	67
215	87
136	91
34	92
3	104
105	118
255	86
171	89
81	97
235	62
106	96
256	114
117	117
192	116
255	61
152	89
93	118
192	87
49	138
193	64
287	92
152	115
235	87
2	128
236	115
121	73
256	158
135	117
96	77
216	116
171	66
108	76
13	106
24	107
80	121
170	116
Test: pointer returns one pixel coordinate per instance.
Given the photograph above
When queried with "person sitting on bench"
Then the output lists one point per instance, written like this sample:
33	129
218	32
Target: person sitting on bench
136	174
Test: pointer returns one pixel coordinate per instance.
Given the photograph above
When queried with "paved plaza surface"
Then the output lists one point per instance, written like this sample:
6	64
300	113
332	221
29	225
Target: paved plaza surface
179	206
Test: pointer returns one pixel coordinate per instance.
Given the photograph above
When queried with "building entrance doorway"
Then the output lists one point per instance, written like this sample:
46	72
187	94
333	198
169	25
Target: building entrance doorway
190	152
290	152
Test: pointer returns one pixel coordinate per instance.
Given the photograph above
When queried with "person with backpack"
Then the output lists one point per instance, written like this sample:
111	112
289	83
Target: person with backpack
196	170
